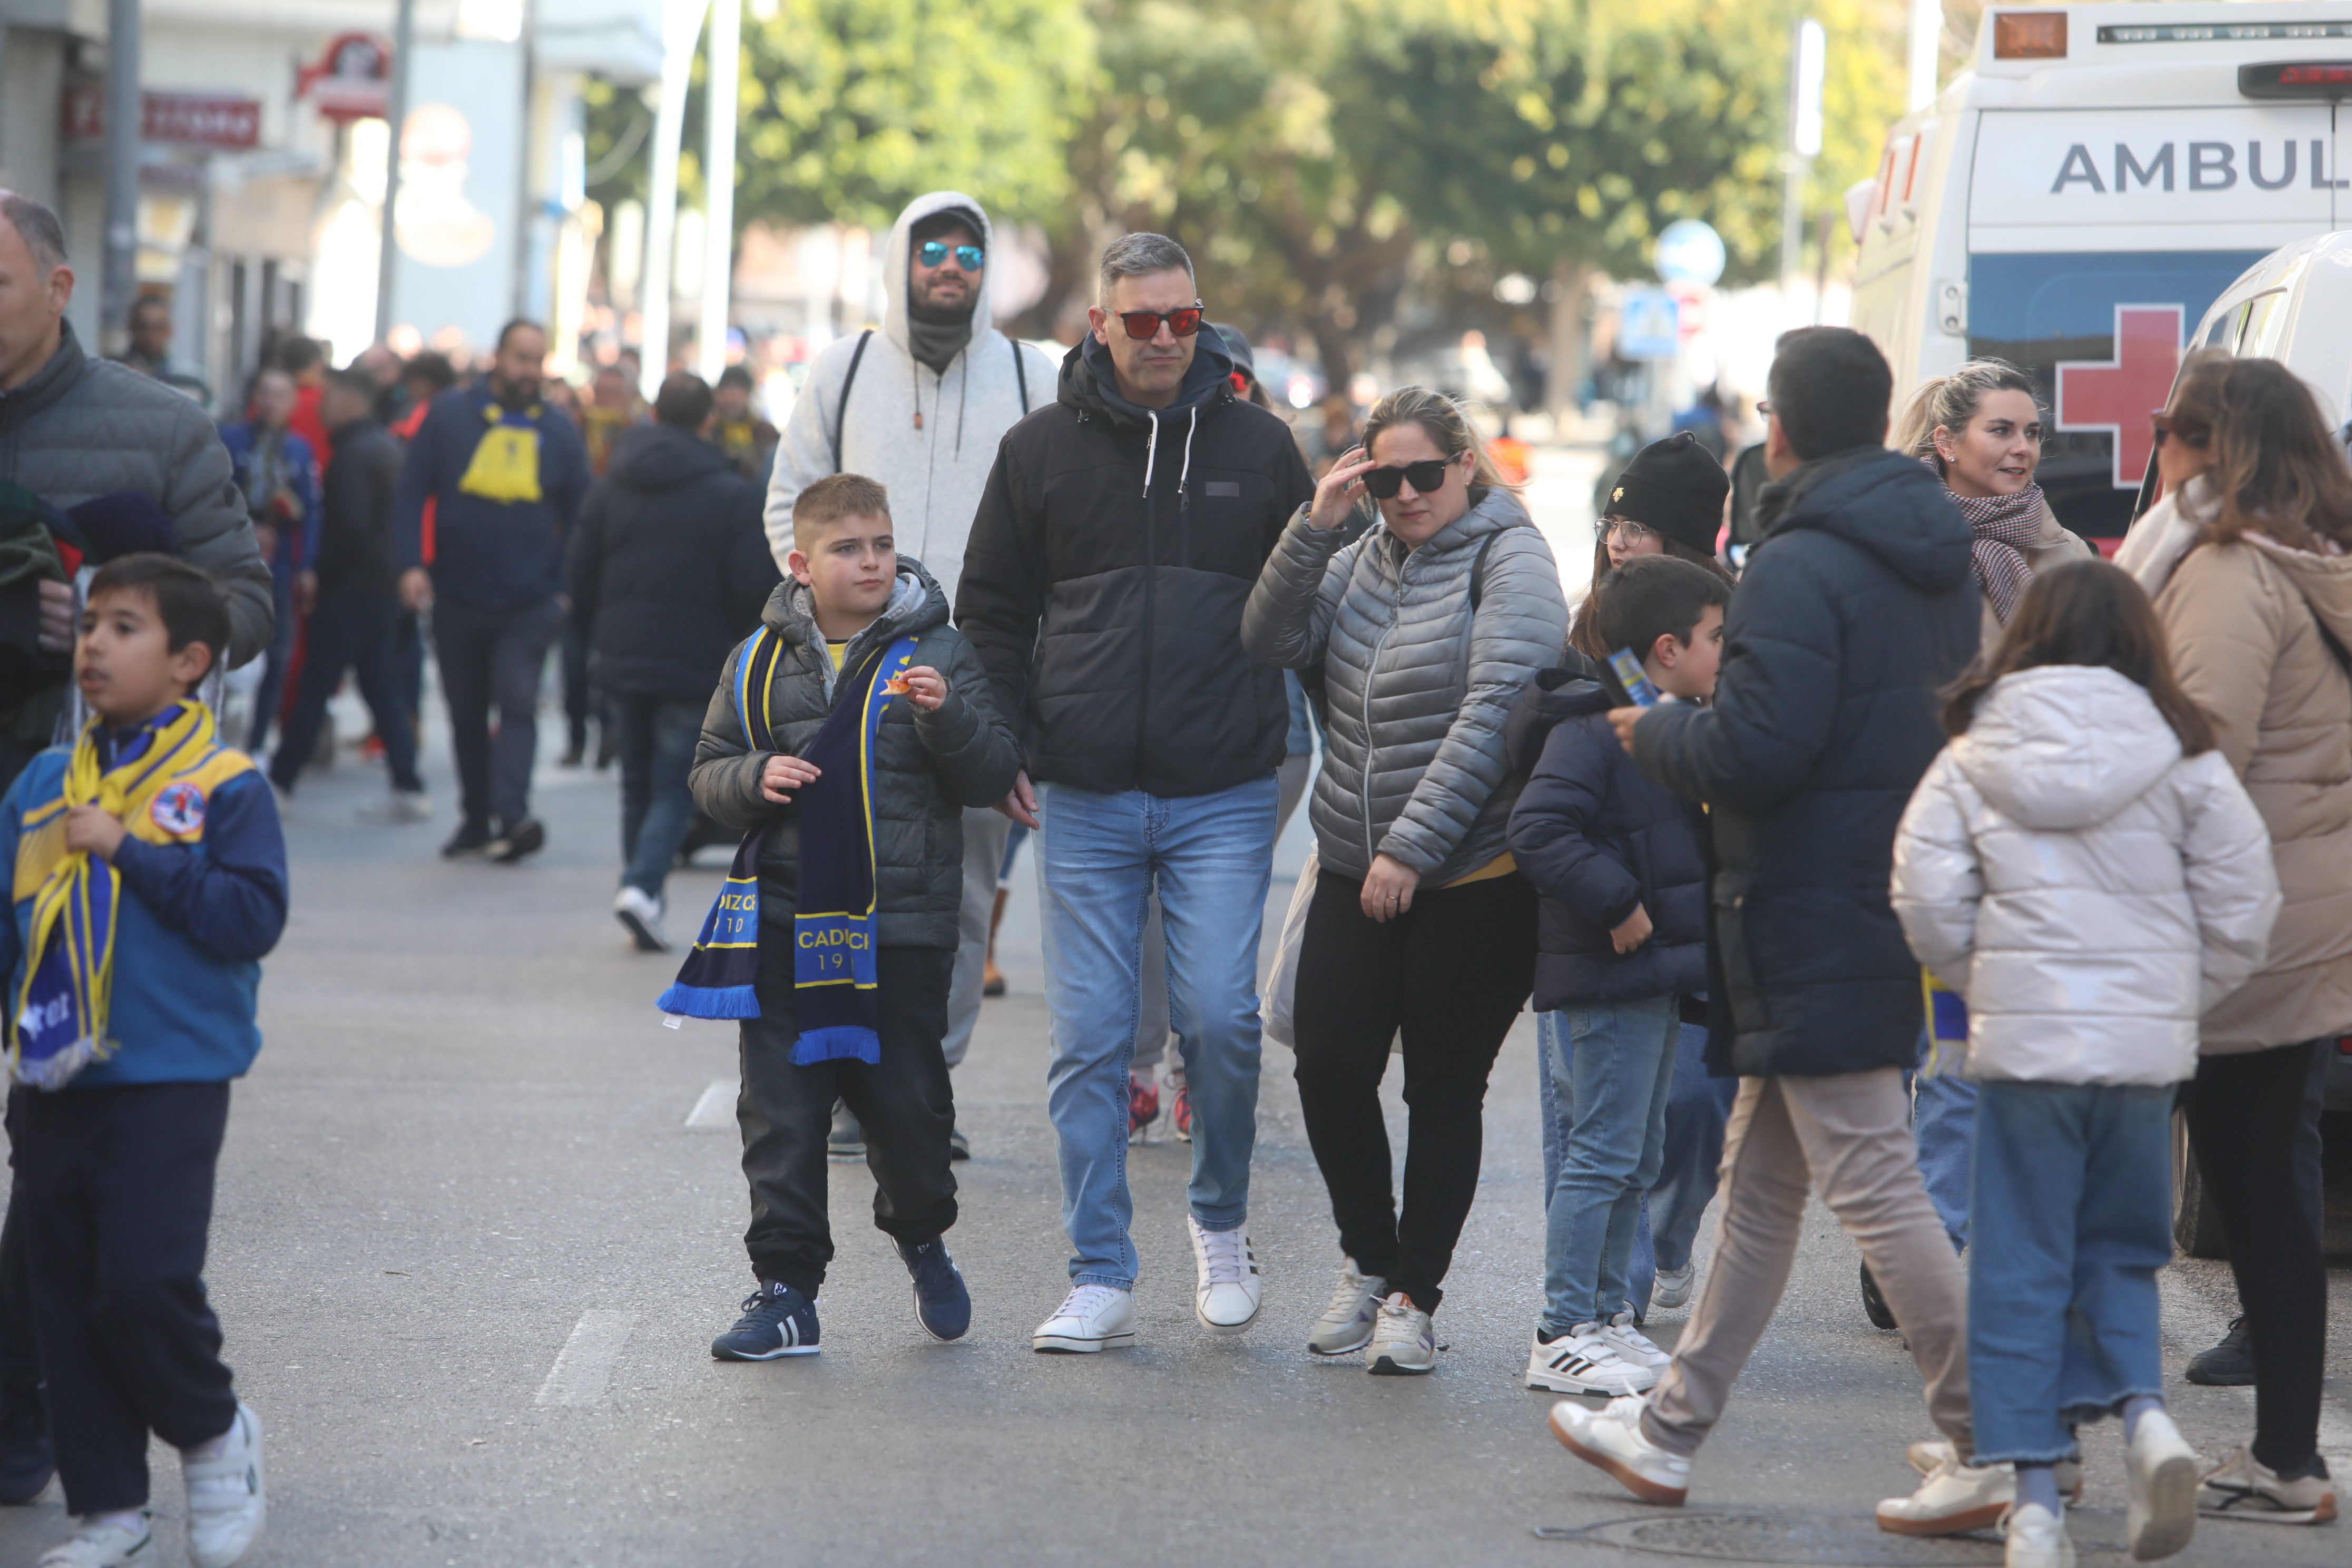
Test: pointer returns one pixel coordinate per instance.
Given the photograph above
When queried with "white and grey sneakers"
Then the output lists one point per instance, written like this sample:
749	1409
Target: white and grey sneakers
1404	1340
1225	1296
125	1539
226	1500
1346	1325
1672	1287
1090	1318
1632	1345
640	914
2245	1487
1585	1360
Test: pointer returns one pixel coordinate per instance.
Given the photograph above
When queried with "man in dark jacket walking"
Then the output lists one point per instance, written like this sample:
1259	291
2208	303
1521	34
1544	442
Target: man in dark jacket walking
1857	605
356	623
670	567
1118	539
506	472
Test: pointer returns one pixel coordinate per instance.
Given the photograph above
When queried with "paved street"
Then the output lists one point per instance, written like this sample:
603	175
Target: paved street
470	1254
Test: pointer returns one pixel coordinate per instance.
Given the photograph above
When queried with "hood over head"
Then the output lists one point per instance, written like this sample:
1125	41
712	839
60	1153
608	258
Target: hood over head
1882	501
2065	746
897	325
654	459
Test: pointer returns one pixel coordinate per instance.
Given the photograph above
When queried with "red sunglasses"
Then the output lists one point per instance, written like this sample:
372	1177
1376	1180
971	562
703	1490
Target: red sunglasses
1142	324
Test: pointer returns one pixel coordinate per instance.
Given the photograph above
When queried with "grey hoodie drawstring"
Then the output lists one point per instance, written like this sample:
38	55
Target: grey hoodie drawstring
1152	454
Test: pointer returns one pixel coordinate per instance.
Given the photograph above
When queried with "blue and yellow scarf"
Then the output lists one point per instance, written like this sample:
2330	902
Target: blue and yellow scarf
57	1020
834	1005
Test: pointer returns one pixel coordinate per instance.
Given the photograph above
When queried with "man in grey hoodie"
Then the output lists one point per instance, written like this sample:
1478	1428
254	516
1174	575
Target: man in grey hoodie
920	403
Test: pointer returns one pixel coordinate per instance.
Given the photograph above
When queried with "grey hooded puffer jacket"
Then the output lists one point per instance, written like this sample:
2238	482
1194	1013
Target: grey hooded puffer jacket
1418	686
928	766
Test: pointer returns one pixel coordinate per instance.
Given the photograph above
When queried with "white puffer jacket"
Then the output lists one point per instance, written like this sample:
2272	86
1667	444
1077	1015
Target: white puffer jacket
2087	889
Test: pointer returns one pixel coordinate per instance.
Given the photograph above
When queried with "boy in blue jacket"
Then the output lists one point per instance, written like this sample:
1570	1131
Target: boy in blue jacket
1618	862
148	878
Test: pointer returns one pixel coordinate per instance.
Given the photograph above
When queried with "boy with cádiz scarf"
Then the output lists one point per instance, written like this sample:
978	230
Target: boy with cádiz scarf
148	880
845	739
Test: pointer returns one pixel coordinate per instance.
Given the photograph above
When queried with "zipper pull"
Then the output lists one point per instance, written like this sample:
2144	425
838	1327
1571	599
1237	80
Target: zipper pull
918	418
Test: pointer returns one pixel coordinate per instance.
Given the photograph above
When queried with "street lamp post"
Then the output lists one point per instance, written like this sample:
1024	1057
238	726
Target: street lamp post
387	256
681	20
1808	57
719	92
125	127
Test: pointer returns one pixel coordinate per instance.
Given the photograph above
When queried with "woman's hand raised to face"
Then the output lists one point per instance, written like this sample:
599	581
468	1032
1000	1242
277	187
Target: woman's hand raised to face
1341	488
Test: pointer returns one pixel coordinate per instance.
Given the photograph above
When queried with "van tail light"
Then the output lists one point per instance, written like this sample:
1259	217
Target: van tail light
2300	79
2029	34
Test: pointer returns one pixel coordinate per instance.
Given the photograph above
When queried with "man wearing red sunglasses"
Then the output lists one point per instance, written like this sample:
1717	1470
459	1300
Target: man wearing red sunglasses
1119	536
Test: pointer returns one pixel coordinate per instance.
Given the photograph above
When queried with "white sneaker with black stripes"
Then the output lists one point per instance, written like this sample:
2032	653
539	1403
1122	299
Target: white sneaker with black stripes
1584	1360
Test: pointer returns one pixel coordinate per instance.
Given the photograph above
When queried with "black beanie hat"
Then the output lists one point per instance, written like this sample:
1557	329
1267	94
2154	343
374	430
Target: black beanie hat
1677	487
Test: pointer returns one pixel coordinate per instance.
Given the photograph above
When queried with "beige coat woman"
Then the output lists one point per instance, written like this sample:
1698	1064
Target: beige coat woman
2250	624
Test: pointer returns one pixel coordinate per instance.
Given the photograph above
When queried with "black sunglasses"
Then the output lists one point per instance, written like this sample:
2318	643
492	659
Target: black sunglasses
932	252
2160	426
1142	324
1426	477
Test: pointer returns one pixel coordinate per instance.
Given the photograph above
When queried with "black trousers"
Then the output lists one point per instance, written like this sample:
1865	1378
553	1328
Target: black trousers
1451	973
116	1189
2245	1112
351	630
494	657
903	1102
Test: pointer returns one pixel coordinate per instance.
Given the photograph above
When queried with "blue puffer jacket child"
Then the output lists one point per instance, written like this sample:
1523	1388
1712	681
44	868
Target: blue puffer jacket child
1598	838
204	898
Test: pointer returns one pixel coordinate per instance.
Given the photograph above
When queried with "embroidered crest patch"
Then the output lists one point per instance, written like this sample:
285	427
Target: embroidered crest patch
178	808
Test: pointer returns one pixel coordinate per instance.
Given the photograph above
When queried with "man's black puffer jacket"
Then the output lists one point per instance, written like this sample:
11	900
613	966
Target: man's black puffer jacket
1598	838
1110	560
928	766
1858	604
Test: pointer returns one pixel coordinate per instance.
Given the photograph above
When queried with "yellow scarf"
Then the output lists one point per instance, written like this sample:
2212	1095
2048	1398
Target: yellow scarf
506	461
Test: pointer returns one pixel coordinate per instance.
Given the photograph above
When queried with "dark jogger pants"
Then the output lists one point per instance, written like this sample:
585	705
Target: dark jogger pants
2245	1112
904	1103
116	1185
351	630
1451	973
494	657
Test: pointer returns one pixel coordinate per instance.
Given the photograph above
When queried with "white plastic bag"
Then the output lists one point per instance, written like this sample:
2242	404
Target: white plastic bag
1282	983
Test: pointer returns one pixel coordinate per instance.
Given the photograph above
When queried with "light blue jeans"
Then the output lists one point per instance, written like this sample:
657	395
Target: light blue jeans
2073	1196
1099	859
1611	1065
1943	1120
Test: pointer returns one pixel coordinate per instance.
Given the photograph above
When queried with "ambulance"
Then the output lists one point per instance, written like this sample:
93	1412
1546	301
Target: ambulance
2080	198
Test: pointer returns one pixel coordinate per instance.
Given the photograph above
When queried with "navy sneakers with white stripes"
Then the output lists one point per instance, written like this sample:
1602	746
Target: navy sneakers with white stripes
777	1320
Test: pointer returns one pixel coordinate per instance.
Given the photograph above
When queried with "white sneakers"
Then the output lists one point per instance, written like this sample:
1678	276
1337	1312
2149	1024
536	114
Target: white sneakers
1404	1340
2245	1487
1632	1346
226	1501
1672	1288
1346	1325
1929	1452
2035	1538
106	1540
2160	1474
641	913
1954	1500
1226	1293
1090	1318
1610	1439
1586	1360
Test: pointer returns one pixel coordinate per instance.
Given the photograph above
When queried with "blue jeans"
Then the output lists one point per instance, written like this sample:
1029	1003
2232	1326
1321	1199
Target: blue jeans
656	735
1611	1065
1697	1105
1943	1120
1099	859
2074	1184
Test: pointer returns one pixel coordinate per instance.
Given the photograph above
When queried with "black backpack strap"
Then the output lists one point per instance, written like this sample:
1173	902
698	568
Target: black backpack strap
841	410
1478	570
1021	373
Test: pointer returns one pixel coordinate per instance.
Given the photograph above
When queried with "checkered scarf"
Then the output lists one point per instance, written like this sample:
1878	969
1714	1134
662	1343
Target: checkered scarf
2003	526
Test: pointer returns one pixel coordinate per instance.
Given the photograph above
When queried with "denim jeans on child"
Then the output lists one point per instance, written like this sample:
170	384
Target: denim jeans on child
1611	1065
1697	1107
2074	1196
1099	858
1943	1119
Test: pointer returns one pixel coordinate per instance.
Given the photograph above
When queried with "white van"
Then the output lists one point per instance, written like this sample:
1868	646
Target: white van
2079	198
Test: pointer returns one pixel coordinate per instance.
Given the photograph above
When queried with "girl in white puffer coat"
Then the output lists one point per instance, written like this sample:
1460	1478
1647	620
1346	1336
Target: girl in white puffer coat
2084	870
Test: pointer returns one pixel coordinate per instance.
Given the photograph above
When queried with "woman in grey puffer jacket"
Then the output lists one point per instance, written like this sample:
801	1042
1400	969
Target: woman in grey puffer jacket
1426	629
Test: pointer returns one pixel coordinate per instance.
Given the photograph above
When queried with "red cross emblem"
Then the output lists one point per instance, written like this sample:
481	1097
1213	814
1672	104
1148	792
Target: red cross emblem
2117	396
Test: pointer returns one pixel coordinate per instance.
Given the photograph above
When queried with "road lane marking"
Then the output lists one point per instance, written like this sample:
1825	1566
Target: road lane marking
584	1365
715	1109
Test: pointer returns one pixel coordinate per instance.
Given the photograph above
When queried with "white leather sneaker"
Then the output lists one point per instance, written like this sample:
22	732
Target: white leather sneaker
1225	1297
117	1542
1346	1325
1583	1361
2160	1473
1632	1344
1610	1439
1928	1452
226	1500
1954	1500
1672	1290
1090	1318
641	913
1404	1340
2245	1487
2036	1538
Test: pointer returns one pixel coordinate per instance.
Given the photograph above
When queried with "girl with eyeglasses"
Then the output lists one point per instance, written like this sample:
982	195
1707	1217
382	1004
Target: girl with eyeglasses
1668	501
1425	628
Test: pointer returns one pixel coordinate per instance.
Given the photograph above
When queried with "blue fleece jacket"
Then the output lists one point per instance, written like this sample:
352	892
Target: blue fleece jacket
196	918
487	554
302	479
